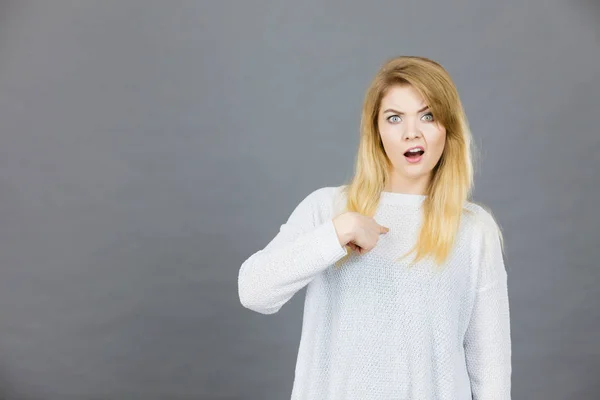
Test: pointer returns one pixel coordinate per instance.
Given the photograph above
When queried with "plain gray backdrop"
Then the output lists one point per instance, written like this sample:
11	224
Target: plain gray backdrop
149	147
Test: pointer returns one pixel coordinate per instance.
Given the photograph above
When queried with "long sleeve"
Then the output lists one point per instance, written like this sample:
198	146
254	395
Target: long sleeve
487	340
304	247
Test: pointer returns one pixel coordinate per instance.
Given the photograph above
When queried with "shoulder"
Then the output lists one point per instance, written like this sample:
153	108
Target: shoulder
324	192
322	197
320	203
488	237
481	217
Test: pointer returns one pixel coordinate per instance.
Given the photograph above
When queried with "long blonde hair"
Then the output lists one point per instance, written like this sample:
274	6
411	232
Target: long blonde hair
452	178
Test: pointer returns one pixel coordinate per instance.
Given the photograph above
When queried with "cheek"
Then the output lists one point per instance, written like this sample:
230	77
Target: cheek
391	142
436	140
389	133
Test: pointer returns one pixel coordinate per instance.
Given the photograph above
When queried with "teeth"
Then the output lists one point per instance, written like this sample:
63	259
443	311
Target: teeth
414	150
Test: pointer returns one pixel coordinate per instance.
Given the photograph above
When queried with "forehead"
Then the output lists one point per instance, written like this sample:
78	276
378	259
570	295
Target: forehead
402	98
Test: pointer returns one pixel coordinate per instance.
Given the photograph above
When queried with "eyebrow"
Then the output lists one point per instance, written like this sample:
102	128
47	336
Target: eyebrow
401	113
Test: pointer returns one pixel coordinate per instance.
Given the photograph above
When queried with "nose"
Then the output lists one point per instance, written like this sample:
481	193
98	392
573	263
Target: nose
412	129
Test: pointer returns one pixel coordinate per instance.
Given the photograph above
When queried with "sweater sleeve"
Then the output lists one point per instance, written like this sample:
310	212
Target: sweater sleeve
487	339
303	248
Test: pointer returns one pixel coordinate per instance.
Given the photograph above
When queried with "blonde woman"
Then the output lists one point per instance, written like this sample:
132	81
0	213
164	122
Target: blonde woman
377	323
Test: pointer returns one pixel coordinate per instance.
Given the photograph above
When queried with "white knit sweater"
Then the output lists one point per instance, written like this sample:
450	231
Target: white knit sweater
375	329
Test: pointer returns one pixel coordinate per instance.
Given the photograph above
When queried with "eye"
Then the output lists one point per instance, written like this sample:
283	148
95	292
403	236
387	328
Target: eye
393	116
429	114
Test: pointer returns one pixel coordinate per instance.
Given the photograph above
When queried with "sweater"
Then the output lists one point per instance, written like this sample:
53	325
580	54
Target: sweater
377	329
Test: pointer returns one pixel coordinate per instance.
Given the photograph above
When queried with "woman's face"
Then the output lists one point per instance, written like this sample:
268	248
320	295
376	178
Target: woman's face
405	122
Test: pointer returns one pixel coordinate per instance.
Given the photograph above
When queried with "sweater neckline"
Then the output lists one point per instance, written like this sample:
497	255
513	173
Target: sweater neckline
401	198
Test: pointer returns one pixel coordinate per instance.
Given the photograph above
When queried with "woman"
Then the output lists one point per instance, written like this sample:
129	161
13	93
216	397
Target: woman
376	325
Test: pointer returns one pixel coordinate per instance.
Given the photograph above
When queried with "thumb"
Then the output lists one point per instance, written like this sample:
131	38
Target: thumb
383	229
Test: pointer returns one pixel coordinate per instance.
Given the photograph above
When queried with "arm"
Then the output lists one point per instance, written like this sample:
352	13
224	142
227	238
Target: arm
302	249
487	340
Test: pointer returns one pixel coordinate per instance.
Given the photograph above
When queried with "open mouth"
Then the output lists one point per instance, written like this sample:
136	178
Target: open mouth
414	155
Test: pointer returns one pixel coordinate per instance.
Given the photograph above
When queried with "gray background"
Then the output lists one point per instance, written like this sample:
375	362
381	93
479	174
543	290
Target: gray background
149	147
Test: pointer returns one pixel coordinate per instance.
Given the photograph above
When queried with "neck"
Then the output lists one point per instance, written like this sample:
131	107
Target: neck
407	185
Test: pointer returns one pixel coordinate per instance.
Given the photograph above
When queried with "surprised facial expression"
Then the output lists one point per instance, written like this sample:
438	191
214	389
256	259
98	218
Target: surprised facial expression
405	122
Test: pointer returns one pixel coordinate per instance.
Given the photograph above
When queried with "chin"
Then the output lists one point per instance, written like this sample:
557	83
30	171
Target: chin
417	171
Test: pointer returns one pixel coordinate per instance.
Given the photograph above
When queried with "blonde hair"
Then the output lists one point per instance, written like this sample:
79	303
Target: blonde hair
452	178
